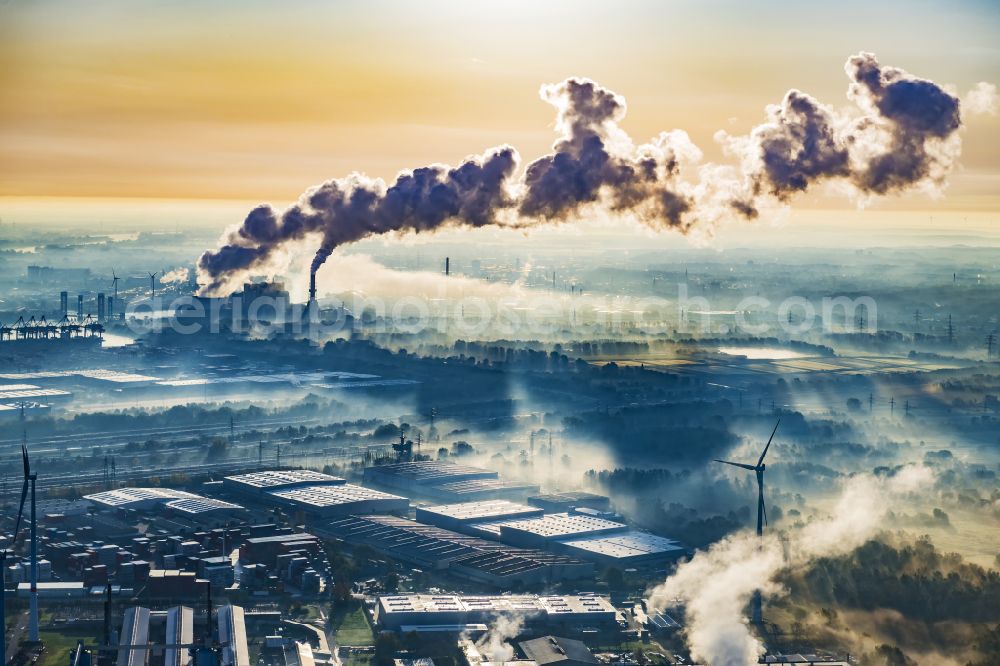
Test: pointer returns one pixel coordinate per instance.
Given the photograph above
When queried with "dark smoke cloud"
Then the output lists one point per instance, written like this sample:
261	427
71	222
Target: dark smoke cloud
350	209
904	134
798	147
918	115
594	161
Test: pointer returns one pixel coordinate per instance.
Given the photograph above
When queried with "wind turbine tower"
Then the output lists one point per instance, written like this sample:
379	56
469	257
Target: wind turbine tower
31	477
758	470
3	561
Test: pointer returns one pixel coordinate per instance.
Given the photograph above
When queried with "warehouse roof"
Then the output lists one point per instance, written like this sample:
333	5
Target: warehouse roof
124	497
326	496
522	605
472	487
198	505
275	479
553	650
630	544
407	539
432	472
563	525
483	510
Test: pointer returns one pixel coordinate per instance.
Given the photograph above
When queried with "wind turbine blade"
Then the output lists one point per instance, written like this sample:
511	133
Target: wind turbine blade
20	511
24	461
736	464
761	460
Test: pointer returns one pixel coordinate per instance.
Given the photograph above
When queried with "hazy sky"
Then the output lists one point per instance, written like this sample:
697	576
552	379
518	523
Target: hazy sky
258	100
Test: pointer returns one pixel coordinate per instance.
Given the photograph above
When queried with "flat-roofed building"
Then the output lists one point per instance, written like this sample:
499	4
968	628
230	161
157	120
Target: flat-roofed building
471	490
180	632
557	651
563	502
461	516
393	612
233	636
205	511
257	484
469	557
340	500
556	527
133	641
627	549
420	475
137	498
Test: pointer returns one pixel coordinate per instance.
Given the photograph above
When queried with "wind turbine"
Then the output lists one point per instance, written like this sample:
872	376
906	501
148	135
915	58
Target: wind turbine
3	560
114	283
758	470
152	285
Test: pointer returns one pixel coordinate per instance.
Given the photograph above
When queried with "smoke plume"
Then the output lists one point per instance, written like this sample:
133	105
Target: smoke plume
901	133
717	584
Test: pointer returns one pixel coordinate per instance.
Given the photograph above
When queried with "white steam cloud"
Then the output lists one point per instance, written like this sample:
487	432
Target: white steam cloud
178	275
717	584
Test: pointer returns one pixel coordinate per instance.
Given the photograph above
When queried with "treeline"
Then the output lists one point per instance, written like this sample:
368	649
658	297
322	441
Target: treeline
915	579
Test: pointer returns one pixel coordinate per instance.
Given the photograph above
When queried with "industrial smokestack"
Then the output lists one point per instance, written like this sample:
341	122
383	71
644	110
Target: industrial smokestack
312	286
100	307
79	306
447	266
63	303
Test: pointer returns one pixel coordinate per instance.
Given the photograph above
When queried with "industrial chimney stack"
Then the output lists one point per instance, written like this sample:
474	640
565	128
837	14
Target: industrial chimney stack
312	286
447	266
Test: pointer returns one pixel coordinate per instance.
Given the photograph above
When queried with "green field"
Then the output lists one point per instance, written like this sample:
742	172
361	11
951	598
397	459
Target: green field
58	645
350	627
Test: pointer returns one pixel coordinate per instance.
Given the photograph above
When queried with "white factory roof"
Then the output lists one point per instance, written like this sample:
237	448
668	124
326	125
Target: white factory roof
559	525
123	497
275	479
630	544
101	374
485	510
525	604
32	393
431	471
195	505
326	496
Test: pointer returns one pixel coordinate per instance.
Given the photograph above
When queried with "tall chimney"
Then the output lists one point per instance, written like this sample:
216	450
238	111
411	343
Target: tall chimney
312	286
64	303
447	266
79	306
100	307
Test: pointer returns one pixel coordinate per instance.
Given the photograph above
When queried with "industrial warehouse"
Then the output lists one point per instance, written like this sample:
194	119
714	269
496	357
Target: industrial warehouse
460	614
446	481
